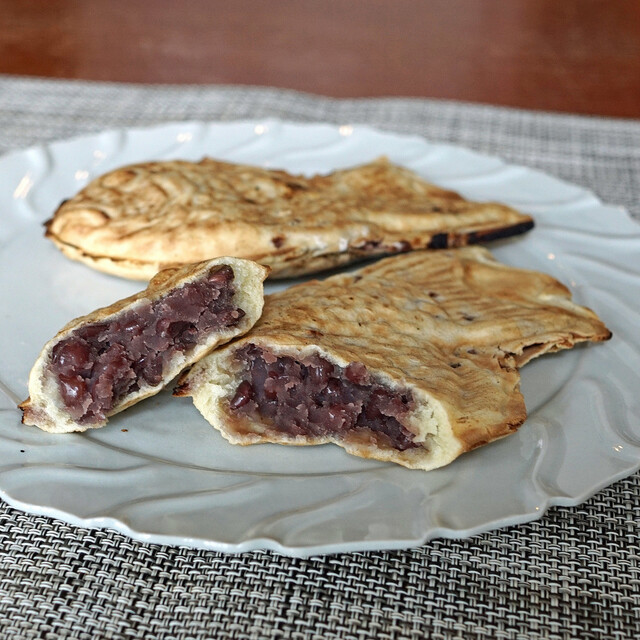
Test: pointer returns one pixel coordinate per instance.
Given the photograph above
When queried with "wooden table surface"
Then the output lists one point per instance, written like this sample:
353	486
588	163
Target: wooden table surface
580	56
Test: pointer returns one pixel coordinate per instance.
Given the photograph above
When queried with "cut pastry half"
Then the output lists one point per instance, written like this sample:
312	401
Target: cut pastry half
104	362
412	360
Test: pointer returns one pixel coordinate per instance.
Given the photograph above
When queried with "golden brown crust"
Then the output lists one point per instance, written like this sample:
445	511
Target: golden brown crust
44	407
453	326
138	219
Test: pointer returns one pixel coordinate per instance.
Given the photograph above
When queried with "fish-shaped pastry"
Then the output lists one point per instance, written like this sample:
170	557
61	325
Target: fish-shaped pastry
138	219
414	359
108	360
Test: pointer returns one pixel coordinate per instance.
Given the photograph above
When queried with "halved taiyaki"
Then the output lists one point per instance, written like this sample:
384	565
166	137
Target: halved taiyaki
104	362
414	359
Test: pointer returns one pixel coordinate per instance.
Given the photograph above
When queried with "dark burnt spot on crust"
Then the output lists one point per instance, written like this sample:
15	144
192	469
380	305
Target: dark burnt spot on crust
497	234
277	241
455	365
438	241
444	240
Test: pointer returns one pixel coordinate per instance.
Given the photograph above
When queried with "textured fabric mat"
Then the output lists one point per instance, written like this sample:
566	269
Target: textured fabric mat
573	574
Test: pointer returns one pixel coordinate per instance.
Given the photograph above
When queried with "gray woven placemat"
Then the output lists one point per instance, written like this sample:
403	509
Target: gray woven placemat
573	574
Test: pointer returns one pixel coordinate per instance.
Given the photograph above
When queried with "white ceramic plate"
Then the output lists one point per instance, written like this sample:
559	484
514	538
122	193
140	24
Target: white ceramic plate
159	473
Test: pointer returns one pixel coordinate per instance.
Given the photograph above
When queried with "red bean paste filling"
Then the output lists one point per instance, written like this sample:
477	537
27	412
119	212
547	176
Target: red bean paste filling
313	397
101	363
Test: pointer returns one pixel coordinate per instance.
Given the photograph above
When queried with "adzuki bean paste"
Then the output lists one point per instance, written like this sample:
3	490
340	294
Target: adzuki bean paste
101	363
313	397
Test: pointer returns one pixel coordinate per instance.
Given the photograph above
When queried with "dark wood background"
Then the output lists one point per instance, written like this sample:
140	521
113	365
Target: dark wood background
579	56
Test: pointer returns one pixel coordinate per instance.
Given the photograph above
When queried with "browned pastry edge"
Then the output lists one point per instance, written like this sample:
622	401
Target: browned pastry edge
137	219
44	408
453	326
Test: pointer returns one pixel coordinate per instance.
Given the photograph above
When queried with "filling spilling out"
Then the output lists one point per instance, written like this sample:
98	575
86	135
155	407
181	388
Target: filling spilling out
101	363
313	397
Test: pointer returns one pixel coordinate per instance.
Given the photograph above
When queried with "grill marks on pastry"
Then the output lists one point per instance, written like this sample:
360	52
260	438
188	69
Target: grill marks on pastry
312	397
429	346
101	363
178	212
